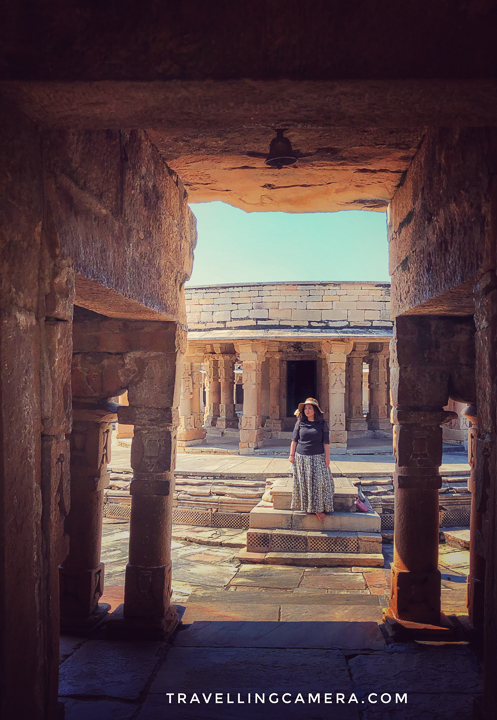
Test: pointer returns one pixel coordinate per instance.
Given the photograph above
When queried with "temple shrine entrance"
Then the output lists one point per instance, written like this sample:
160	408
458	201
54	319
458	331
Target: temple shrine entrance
301	382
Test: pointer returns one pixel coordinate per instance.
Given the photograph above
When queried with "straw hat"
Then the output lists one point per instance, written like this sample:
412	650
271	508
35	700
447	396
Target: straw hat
309	401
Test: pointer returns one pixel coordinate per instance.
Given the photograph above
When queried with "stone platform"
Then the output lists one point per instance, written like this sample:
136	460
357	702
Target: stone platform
279	535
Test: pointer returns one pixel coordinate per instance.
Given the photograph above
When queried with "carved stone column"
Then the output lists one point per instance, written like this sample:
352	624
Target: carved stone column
213	390
336	358
153	397
420	349
275	422
226	367
356	423
378	419
191	430
476	577
251	355
82	573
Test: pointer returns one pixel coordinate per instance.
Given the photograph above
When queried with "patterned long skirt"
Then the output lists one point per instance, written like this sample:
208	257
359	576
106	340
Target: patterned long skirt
313	485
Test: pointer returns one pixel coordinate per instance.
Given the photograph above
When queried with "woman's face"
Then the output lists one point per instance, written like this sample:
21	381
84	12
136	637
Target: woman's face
309	411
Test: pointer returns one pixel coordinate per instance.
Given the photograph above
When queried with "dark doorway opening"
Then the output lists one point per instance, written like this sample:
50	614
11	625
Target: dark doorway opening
301	382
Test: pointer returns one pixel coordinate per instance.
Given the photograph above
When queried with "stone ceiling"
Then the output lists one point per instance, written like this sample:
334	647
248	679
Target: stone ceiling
354	139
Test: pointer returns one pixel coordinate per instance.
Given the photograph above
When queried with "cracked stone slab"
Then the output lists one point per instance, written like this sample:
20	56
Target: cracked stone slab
349	635
67	645
248	670
436	670
424	707
99	710
252	670
157	707
273	577
111	669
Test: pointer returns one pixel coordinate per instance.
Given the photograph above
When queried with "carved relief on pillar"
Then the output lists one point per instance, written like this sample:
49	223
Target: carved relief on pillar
152	401
336	358
251	355
227	416
82	573
356	422
213	390
378	419
191	430
274	423
475	598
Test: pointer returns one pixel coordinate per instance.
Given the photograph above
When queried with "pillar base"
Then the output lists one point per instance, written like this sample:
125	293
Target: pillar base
189	443
224	423
85	626
137	628
407	630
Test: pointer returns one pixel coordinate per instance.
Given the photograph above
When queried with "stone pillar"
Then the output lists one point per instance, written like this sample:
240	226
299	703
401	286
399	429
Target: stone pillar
191	430
251	355
336	358
153	398
476	577
226	368
356	423
419	393
82	573
213	390
456	431
378	417
124	431
275	422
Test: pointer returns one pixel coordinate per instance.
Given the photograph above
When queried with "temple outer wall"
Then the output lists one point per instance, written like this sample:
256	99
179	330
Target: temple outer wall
75	225
289	305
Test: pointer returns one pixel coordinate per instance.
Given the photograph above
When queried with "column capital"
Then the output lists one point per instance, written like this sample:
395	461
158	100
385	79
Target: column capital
336	350
248	350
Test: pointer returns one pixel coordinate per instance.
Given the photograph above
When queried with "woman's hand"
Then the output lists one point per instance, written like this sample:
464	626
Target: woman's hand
328	462
291	458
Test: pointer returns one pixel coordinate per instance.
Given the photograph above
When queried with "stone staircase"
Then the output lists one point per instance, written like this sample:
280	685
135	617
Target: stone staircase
281	536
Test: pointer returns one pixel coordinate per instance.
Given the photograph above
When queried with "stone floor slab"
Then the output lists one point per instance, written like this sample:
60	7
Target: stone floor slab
157	707
230	611
350	635
271	598
273	577
113	669
333	581
239	669
69	644
99	710
424	707
331	613
428	670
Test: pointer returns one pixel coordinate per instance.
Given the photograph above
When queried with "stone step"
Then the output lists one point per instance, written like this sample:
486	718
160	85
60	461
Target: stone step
313	559
309	597
301	541
269	518
344	497
282	606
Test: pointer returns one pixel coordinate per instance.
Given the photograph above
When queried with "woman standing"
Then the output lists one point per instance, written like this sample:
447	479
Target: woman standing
313	485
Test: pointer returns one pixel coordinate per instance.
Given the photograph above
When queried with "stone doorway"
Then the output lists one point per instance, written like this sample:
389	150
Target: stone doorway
301	382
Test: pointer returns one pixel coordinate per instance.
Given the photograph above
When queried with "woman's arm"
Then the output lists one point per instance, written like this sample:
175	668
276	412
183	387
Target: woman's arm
327	455
293	447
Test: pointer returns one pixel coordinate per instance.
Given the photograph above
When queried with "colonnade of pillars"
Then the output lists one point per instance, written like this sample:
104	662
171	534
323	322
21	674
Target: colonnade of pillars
151	373
340	390
144	358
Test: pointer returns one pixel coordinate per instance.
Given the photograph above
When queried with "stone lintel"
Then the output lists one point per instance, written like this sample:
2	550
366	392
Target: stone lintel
120	336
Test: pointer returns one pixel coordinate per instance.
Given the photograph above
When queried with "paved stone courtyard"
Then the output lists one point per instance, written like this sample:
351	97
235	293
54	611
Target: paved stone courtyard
259	629
249	628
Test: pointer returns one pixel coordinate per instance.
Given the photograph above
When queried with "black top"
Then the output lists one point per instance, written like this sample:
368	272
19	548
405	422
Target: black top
311	437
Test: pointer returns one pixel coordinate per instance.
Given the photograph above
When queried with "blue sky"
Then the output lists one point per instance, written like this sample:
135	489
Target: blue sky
236	247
